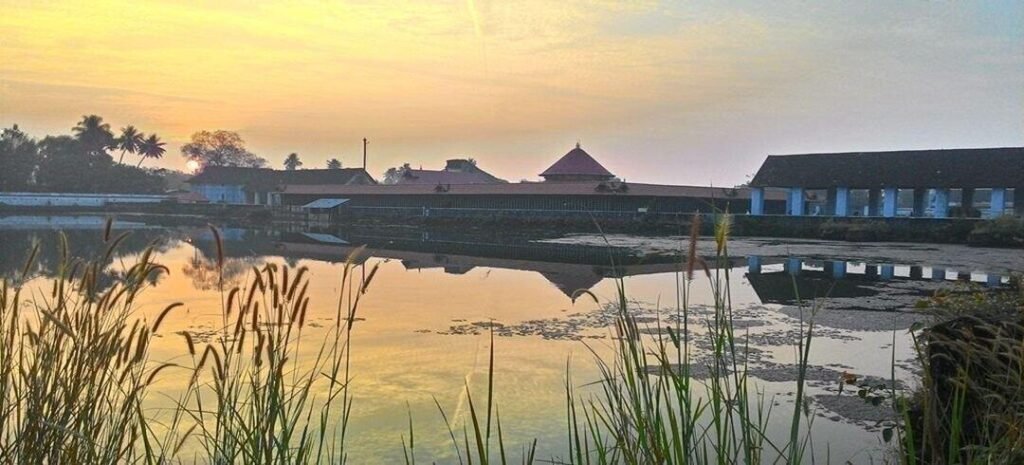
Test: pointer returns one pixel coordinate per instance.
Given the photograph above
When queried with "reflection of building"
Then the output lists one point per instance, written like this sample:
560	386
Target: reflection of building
929	176
237	185
837	279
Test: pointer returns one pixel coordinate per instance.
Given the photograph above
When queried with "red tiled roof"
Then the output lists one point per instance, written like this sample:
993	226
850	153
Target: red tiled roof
534	188
577	163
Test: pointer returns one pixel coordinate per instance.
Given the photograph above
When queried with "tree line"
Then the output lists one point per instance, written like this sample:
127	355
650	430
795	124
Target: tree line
80	162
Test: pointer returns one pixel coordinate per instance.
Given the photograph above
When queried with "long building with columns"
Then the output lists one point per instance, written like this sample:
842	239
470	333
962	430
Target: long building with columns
918	183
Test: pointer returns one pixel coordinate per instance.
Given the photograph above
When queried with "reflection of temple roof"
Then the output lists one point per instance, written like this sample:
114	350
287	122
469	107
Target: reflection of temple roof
786	289
570	283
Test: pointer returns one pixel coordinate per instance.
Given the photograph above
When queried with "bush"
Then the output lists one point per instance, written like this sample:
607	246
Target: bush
1003	231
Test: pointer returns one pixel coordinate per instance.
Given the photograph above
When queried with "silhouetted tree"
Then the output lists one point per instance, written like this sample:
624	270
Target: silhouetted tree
129	141
18	157
334	164
220	148
393	175
151	147
94	134
292	163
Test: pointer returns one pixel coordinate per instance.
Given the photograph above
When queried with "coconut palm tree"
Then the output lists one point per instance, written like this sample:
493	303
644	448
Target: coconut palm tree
129	141
334	164
94	134
292	162
151	147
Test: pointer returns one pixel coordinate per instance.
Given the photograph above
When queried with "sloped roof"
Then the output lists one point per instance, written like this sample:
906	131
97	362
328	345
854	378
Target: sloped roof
577	163
269	178
947	168
435	177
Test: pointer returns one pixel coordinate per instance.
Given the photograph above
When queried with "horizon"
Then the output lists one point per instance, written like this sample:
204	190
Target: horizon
693	94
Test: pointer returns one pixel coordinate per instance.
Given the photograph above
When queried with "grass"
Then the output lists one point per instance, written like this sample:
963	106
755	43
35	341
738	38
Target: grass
76	376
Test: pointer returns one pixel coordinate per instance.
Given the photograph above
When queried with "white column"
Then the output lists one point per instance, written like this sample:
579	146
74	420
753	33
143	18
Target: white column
941	203
998	204
756	201
796	201
890	202
842	206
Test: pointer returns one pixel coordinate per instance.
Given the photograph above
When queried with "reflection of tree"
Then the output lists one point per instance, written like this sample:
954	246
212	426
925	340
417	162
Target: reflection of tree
87	245
205	276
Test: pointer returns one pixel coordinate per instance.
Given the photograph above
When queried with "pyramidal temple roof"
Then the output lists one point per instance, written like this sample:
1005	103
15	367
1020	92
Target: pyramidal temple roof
577	163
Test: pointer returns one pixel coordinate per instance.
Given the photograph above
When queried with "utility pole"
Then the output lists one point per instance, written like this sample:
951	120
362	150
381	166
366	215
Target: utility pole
365	142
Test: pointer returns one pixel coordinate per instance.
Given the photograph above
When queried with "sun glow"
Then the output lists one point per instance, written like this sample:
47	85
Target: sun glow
192	166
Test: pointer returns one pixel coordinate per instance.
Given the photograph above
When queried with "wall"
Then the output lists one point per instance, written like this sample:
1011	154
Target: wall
218	193
26	199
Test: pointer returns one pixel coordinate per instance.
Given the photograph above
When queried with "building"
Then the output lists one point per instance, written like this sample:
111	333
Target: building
577	166
539	199
919	183
456	171
260	186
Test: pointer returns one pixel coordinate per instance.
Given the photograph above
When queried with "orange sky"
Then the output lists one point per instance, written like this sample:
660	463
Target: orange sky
693	93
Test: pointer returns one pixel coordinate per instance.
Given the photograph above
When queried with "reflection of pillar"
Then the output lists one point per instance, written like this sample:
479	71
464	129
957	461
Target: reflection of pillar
796	201
754	264
920	201
793	266
839	270
842	205
939	274
998	204
757	201
916	272
874	198
871	271
888	271
993	280
966	201
941	203
891	200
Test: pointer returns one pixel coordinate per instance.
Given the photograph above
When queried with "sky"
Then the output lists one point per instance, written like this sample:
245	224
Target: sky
675	92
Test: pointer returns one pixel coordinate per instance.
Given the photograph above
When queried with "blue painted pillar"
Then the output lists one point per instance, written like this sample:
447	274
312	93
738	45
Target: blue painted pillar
794	266
842	206
754	264
993	280
941	209
888	271
839	270
891	201
939	274
796	201
756	201
998	204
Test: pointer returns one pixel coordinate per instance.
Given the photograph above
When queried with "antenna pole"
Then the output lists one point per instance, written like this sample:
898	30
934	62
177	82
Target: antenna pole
364	152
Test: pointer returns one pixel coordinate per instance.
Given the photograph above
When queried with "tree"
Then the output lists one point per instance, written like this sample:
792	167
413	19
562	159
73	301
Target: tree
94	134
393	175
334	164
18	157
292	162
220	148
129	141
68	164
151	147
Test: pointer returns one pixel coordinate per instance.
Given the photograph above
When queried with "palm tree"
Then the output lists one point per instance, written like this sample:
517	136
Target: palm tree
129	141
292	162
94	134
151	147
334	164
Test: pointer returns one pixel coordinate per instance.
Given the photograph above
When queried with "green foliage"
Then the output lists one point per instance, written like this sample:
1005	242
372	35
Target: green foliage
1003	231
334	164
18	155
292	162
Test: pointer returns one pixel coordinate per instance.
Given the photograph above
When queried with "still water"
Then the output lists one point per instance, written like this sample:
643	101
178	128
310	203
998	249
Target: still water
422	333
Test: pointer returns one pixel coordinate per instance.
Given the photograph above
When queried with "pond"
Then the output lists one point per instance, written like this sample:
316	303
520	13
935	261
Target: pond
423	330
